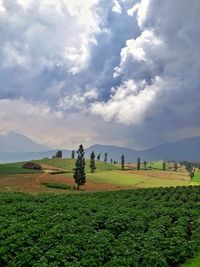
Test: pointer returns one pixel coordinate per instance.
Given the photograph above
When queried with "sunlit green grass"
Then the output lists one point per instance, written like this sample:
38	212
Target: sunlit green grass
69	164
115	177
195	262
196	177
124	178
65	164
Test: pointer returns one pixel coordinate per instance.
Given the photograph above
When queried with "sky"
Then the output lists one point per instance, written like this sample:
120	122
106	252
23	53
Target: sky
121	72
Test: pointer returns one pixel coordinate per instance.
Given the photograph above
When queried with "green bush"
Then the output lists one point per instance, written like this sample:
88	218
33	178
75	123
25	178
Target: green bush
56	185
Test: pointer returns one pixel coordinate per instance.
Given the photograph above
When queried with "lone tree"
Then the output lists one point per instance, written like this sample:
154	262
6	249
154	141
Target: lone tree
164	166
145	164
106	157
79	170
73	154
111	161
99	156
92	162
175	166
58	154
122	161
138	164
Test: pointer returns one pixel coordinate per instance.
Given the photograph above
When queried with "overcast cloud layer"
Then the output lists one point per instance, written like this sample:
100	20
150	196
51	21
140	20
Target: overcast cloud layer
115	72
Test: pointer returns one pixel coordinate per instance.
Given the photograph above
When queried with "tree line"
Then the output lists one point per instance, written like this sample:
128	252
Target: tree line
79	170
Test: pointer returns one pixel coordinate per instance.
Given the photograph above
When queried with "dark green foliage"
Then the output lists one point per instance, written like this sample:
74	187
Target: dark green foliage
73	154
191	175
106	157
99	157
111	161
144	227
175	166
122	161
92	162
145	164
56	185
58	154
79	171
138	164
164	166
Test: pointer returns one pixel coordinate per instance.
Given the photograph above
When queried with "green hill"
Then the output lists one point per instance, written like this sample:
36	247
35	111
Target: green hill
65	164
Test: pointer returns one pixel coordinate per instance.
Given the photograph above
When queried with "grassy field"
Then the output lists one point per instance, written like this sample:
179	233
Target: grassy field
14	168
137	179
193	263
196	177
106	177
68	164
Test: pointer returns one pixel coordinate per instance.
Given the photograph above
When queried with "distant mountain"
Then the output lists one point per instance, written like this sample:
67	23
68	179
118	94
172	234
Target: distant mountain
16	147
13	142
188	149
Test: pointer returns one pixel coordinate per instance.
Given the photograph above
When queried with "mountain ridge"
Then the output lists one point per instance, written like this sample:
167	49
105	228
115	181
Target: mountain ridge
22	148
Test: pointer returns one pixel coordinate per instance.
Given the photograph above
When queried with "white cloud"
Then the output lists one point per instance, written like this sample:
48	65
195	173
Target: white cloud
79	101
116	7
47	33
129	103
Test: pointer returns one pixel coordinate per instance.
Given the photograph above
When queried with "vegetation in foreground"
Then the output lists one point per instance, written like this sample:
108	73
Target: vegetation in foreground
144	227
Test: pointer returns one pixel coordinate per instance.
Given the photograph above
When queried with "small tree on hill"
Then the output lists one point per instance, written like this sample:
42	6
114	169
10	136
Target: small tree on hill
58	154
73	154
175	166
145	164
164	166
99	156
138	164
111	161
106	157
92	162
122	162
79	171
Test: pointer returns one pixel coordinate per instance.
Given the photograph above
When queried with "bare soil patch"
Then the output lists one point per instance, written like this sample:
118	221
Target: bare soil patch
32	183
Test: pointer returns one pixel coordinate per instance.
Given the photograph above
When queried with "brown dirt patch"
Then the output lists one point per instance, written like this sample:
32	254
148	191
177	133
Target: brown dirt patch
32	183
49	167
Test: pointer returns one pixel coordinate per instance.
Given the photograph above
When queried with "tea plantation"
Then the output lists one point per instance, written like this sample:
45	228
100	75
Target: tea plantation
144	227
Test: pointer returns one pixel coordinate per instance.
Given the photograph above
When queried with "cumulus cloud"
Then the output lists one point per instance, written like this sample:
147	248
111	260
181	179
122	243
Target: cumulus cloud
129	102
78	102
164	57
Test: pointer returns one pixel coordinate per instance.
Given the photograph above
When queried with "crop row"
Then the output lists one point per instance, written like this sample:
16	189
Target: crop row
144	227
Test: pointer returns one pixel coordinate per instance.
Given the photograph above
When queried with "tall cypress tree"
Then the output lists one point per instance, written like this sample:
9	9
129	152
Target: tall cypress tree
138	164
105	157
73	154
164	166
79	171
122	162
92	162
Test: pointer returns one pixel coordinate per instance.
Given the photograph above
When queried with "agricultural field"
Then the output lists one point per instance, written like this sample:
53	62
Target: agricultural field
106	177
143	227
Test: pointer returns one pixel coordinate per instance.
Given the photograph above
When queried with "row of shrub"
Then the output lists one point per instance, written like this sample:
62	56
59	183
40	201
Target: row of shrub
144	227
